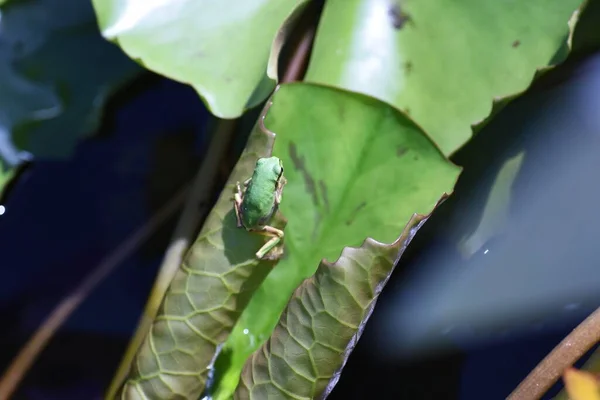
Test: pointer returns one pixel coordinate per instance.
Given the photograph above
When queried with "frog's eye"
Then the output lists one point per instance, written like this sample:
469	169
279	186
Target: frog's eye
278	169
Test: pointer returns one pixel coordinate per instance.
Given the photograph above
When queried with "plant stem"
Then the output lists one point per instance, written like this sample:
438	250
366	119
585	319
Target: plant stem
568	351
297	64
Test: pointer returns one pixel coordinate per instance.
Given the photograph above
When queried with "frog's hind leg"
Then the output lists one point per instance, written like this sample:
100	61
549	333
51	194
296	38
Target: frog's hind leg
276	237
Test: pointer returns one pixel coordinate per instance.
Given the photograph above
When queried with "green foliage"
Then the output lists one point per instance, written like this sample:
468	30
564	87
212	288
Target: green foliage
380	153
393	88
218	275
303	356
357	161
442	61
227	50
499	155
355	168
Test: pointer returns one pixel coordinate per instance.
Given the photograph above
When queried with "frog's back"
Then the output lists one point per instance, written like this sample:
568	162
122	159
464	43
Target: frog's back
259	199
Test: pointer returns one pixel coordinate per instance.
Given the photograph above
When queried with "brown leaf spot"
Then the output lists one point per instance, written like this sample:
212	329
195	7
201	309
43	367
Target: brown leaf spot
341	112
399	18
355	212
401	150
309	182
323	188
516	43
408	67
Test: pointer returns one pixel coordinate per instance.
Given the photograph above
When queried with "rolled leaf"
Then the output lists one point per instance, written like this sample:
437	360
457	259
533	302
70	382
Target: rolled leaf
305	355
214	283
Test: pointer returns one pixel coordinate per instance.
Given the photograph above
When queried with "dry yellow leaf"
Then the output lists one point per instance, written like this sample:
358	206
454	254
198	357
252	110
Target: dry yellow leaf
581	385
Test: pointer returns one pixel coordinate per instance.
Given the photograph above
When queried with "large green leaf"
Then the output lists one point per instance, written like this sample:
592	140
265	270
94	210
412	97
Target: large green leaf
500	156
443	61
227	50
303	358
356	167
213	285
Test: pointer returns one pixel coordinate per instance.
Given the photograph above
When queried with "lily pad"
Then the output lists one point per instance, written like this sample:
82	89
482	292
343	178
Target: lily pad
443	62
356	168
227	50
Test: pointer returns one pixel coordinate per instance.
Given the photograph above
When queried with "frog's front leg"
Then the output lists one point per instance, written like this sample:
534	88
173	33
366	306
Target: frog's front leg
237	203
279	190
276	237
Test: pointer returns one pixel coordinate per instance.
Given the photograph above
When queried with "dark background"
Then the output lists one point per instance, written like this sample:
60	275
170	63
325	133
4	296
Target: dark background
63	217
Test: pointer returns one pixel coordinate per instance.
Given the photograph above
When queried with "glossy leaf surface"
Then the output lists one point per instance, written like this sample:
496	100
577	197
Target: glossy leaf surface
227	50
322	323
442	62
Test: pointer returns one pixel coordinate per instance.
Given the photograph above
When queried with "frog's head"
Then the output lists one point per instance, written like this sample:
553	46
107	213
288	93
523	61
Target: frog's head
271	164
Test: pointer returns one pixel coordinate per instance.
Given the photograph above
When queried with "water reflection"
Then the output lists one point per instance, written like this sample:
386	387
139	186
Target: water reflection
541	271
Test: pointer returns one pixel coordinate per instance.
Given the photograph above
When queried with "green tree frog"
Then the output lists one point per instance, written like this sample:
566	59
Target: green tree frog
258	202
